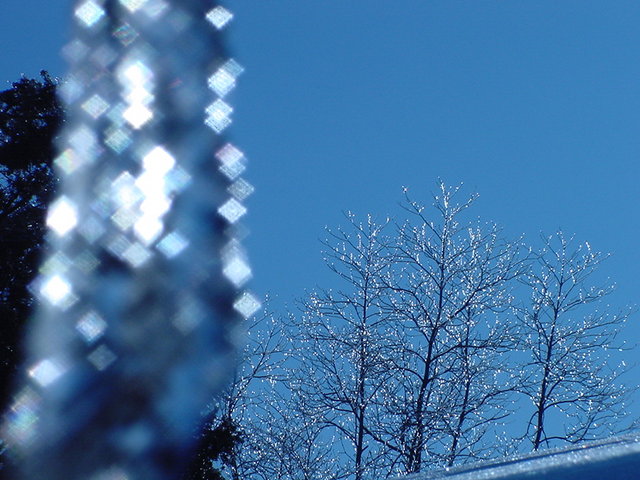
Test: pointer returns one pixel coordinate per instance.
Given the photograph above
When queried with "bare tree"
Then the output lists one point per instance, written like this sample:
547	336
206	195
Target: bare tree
296	443
568	333
246	404
449	286
343	362
481	383
415	360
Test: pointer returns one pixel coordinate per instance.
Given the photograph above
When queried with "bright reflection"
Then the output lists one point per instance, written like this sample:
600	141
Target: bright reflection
56	290
62	216
136	78
237	271
155	206
222	82
224	79
133	5
233	161
137	115
138	95
124	190
247	305
218	116
137	73
219	17
158	160
46	372
89	13
232	210
148	229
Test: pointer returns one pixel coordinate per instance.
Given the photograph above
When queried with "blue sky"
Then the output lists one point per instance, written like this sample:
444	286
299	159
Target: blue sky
532	104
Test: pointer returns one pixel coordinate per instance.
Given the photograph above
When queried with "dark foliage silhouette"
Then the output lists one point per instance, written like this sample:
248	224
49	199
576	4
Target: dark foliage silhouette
30	117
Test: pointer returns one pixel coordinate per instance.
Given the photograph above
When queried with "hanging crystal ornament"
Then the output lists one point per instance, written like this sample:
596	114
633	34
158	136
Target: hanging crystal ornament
143	284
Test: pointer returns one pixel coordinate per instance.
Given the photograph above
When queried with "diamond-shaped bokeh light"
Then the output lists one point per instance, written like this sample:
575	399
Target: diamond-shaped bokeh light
247	305
232	210
137	115
46	372
89	13
91	326
219	17
57	290
218	115
133	5
62	216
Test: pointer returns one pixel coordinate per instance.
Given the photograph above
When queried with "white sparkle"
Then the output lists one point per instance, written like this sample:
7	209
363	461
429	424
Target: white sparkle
237	271
46	372
232	210
233	161
133	5
151	184
229	154
218	115
56	290
137	115
137	73
155	206
62	216
89	13
158	160
124	191
247	305
219	17
222	82
148	229
138	95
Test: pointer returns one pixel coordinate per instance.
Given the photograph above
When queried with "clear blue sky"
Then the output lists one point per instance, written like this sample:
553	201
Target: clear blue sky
533	104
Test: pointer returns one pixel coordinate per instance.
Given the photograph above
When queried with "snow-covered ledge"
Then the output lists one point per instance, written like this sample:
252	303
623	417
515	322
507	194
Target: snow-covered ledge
616	458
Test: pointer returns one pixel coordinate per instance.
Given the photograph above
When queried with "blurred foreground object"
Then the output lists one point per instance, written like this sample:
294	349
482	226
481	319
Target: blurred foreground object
140	290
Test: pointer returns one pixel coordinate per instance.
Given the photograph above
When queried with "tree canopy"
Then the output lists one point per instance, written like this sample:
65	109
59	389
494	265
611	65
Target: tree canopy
30	117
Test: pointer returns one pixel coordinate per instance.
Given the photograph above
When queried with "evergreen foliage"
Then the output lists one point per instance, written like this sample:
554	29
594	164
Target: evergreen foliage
30	117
